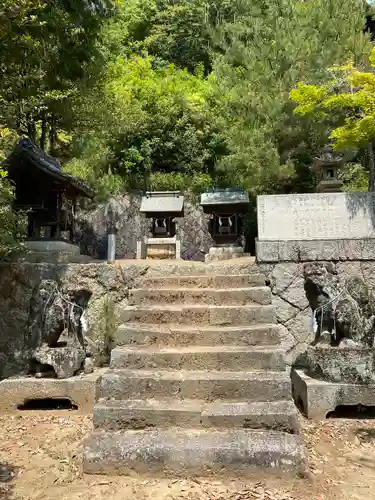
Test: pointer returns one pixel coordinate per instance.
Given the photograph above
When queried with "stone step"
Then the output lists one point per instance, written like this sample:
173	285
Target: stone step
226	358
201	314
201	281
175	335
192	452
223	296
205	385
142	414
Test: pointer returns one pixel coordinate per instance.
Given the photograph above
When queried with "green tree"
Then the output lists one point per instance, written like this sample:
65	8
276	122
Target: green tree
12	225
156	123
349	99
260	54
46	55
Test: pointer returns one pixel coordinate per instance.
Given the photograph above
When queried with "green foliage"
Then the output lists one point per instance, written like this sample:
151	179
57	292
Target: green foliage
47	56
12	225
349	97
157	121
265	49
173	32
185	94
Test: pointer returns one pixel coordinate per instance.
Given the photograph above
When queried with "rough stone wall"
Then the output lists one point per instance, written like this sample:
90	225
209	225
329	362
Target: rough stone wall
132	225
24	297
293	312
25	288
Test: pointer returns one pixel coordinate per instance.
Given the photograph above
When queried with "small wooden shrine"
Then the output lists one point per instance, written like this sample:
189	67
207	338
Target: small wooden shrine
327	166
162	208
227	208
48	195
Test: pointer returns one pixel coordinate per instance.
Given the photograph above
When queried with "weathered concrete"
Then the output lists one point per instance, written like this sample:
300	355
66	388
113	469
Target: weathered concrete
80	390
275	251
231	358
201	281
198	314
317	398
242	386
192	452
170	335
162	413
211	296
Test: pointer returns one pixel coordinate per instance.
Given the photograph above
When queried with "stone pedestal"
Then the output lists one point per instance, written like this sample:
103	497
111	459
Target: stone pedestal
316	398
224	253
352	365
159	248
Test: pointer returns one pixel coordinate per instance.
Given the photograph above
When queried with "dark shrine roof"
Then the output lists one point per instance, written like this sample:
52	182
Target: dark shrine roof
35	156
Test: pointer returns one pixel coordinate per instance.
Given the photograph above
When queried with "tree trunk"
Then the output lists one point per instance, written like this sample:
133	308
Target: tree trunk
371	164
52	137
31	130
43	135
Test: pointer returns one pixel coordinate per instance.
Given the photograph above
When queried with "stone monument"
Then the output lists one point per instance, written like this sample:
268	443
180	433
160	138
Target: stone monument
162	208
226	208
308	227
318	231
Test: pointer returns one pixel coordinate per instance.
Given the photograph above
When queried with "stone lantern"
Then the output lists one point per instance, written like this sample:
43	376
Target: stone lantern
327	165
226	208
162	208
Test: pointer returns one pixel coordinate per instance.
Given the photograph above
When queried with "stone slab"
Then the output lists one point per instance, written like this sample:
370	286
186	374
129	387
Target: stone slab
185	413
274	251
52	246
230	358
205	385
192	452
316	398
81	390
128	334
318	216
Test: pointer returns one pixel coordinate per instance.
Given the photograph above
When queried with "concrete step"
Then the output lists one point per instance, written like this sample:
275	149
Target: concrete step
201	314
223	296
201	281
226	358
148	413
192	452
205	385
175	335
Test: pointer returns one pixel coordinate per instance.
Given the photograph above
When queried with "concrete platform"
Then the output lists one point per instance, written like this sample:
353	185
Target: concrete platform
200	314
178	335
316	398
228	358
205	385
192	452
194	413
81	391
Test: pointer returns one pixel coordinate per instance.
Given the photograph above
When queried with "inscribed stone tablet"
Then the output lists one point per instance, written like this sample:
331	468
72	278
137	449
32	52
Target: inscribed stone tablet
316	216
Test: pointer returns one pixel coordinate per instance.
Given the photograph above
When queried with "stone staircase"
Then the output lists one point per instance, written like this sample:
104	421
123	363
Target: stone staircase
197	382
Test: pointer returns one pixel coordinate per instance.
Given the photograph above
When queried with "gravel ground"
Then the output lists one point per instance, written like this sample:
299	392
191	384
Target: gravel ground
40	459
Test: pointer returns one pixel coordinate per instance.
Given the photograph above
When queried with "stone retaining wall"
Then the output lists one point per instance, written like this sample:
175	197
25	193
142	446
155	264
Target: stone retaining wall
25	289
293	311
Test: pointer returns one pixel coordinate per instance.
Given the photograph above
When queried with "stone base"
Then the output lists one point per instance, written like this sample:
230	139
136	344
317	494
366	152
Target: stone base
316	398
224	253
159	248
52	246
310	250
81	390
350	365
